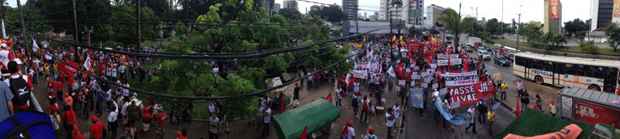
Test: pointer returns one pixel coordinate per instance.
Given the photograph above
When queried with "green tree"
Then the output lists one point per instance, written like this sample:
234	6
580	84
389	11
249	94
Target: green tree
33	19
532	32
493	26
290	13
613	32
125	31
332	13
450	19
553	41
468	24
576	28
59	14
251	30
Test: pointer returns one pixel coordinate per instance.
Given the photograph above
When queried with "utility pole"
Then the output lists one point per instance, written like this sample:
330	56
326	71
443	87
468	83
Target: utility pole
139	20
21	19
4	36
458	30
75	23
518	30
501	21
389	17
519	26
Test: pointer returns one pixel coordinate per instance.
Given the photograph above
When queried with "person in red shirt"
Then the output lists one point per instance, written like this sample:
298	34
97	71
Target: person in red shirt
147	116
68	99
69	119
182	134
96	129
77	134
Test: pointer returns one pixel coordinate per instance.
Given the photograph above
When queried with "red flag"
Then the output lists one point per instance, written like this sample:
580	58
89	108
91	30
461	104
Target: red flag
304	134
329	98
465	64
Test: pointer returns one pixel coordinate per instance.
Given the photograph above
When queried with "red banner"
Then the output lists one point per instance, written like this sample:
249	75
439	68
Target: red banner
471	94
594	113
554	9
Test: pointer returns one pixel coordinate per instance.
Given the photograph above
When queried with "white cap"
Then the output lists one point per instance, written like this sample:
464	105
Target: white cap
18	61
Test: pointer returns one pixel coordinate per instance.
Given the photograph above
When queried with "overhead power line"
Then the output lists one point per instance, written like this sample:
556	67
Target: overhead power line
216	57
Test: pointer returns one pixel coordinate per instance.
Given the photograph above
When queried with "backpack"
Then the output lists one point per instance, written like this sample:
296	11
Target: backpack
19	87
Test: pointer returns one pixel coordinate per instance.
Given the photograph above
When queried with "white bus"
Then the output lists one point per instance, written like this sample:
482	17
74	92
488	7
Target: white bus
562	71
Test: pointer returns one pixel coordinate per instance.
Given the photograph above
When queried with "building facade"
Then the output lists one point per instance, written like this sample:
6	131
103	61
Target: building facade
601	14
276	7
616	12
292	4
416	12
350	8
553	16
432	15
383	10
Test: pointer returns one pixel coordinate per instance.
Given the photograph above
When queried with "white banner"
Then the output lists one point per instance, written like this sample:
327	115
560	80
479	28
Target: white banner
362	74
460	79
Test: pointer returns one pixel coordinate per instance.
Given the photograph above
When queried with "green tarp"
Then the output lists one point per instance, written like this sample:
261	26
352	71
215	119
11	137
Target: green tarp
533	123
315	115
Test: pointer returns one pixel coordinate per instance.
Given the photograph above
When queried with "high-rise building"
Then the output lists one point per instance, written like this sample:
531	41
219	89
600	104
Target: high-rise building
432	14
616	12
383	10
276	7
266	4
553	16
350	8
291	4
416	12
601	13
411	12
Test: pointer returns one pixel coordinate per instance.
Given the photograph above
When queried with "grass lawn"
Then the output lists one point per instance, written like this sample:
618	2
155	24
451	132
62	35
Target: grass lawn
525	45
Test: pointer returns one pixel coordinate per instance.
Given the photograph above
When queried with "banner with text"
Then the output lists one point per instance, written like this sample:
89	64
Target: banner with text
460	79
471	94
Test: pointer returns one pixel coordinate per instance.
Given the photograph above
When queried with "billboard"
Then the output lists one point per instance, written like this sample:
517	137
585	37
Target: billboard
616	9
594	113
554	9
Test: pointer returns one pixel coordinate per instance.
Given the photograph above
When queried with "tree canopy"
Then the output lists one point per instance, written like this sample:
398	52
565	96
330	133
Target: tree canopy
613	32
576	28
331	13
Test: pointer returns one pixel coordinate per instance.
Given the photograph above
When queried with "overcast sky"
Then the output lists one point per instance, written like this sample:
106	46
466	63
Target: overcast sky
532	10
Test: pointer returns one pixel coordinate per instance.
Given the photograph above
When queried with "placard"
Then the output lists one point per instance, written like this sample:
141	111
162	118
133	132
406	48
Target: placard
460	79
416	97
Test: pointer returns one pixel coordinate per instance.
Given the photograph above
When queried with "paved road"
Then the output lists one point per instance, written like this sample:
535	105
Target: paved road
427	127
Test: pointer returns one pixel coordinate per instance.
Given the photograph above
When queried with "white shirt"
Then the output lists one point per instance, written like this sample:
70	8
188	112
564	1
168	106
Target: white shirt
212	107
350	133
388	122
113	116
267	117
124	109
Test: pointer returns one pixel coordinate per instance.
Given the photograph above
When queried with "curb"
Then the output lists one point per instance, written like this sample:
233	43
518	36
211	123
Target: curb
505	105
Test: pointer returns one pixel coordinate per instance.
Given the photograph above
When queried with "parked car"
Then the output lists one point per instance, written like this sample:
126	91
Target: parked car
502	61
486	55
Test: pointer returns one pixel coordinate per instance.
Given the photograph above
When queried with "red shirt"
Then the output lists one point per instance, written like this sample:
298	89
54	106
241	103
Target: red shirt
96	130
53	108
77	134
147	113
70	117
